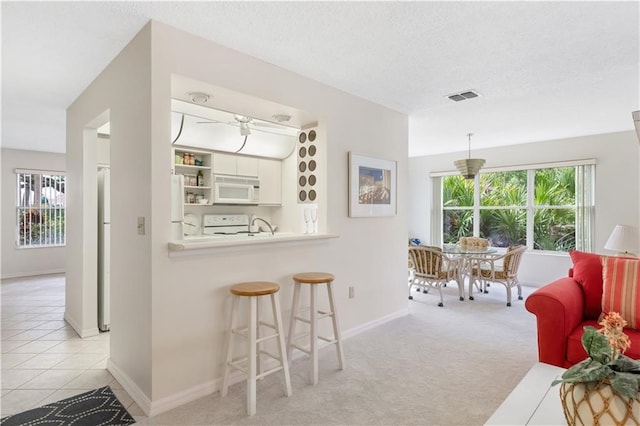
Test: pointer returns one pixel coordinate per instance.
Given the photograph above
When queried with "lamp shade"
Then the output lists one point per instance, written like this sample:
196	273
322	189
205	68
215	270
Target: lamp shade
470	167
624	240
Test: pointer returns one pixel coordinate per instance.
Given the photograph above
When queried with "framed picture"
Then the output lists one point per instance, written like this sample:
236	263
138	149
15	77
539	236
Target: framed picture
372	186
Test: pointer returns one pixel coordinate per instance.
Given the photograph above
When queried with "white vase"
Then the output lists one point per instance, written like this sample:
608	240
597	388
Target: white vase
598	404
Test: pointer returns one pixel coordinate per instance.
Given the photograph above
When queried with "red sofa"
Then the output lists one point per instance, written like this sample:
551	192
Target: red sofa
564	307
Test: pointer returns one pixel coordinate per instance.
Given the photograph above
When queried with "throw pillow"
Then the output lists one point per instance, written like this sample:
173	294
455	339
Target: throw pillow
587	271
621	288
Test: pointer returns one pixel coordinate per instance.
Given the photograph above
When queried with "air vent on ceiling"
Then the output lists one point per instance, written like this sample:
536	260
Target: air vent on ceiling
461	96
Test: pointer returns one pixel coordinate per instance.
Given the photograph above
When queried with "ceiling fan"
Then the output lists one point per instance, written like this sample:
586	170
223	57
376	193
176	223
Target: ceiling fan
244	122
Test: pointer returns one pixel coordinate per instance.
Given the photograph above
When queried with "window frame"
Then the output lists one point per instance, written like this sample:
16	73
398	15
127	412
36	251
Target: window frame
39	207
586	227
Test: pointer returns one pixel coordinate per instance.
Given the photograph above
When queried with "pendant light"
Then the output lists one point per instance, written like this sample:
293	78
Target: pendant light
469	167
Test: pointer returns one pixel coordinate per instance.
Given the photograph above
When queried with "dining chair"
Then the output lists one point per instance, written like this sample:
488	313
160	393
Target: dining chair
501	269
431	269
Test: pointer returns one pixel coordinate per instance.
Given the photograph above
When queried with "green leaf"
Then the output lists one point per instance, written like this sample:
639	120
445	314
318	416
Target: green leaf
585	371
625	384
625	364
596	345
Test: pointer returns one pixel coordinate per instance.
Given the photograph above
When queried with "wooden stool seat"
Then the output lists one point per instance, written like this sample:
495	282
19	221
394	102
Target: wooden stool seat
254	288
315	314
313	278
250	364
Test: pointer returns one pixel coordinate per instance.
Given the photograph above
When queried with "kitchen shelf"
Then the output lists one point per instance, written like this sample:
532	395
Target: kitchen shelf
190	171
183	166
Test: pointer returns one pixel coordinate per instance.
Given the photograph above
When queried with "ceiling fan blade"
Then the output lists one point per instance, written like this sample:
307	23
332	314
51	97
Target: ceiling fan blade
208	122
266	124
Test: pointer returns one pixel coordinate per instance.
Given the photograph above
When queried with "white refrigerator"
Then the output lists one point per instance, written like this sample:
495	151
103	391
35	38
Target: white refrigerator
104	248
177	206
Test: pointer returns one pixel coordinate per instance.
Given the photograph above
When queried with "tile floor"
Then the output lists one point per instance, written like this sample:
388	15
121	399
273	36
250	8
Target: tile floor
43	359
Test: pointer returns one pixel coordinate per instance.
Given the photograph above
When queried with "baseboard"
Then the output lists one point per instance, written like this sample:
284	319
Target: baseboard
375	323
170	402
129	385
88	332
31	274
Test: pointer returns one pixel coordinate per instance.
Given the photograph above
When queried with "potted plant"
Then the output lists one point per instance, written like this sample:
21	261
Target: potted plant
604	388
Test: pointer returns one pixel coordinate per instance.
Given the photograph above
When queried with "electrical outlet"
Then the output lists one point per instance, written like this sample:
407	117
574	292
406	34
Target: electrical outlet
352	292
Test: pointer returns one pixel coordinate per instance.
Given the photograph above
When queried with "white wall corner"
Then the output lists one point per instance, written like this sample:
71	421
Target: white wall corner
130	387
82	332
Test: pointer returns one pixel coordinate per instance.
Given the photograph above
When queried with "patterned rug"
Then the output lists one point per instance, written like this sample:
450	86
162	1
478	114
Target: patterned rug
98	407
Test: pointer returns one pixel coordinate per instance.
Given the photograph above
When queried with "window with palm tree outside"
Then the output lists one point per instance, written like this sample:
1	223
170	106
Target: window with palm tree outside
548	208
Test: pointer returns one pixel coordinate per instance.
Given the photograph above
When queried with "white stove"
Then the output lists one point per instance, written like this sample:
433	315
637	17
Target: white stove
225	224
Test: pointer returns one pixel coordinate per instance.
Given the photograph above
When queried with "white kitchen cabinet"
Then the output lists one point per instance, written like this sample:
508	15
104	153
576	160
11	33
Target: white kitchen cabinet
270	175
195	187
234	165
247	166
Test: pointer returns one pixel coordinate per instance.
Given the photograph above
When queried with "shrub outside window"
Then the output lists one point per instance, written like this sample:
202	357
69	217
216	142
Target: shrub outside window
503	207
457	215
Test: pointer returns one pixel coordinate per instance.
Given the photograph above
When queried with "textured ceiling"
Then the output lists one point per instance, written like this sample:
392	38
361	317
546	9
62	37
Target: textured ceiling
544	70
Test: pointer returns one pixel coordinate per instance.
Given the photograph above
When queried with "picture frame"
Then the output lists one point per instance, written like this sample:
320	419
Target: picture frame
372	186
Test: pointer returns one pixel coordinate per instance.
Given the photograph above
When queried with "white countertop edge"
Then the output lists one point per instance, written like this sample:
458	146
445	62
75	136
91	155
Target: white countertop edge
176	247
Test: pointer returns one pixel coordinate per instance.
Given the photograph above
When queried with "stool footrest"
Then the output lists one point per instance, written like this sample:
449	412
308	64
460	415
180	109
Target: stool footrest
328	340
266	373
267	324
270	355
262	339
238	364
322	314
306	351
301	336
305	320
244	332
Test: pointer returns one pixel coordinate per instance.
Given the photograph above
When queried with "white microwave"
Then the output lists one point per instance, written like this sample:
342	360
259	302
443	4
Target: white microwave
235	190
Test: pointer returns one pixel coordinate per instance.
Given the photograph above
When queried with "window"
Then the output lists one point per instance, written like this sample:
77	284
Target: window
457	200
546	207
503	207
554	209
40	211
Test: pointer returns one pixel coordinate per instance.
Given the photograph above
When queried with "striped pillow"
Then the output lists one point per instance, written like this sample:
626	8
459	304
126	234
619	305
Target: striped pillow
621	288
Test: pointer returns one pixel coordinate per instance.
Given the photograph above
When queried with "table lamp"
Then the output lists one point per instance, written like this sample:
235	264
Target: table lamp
624	240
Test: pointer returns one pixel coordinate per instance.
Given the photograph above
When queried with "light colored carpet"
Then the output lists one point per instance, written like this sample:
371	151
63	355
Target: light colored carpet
437	366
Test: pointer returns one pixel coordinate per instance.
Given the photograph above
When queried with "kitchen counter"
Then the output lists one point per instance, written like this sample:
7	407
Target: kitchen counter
197	244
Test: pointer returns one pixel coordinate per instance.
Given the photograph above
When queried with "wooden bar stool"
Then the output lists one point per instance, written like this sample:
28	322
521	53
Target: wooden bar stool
314	278
251	363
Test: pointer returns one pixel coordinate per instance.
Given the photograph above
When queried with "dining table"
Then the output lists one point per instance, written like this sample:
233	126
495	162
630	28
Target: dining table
462	258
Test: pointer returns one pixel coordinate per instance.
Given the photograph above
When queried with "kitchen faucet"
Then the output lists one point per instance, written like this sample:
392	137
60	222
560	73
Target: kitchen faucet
265	222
